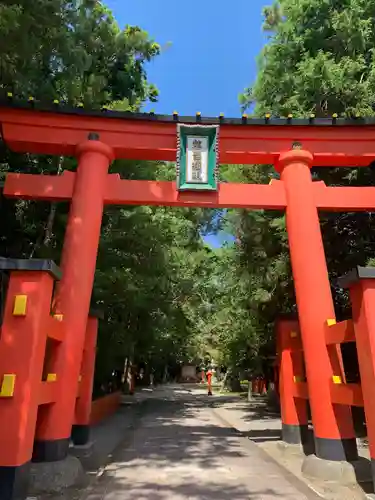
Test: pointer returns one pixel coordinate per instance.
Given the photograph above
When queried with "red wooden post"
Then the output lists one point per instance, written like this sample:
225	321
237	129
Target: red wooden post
74	294
81	427
333	425
361	284
22	348
294	416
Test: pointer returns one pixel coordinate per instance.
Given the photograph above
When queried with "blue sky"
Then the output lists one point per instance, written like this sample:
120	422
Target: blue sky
212	54
213	51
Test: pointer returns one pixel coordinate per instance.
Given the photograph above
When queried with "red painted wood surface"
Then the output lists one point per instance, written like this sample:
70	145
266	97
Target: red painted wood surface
340	333
73	291
293	406
118	191
132	192
104	407
346	394
313	295
84	403
58	133
362	296
22	350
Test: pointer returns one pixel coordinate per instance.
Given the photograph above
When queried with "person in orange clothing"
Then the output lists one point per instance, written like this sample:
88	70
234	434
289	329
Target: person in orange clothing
209	381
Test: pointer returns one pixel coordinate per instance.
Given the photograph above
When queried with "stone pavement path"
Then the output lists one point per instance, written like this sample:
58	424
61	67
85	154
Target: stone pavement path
181	450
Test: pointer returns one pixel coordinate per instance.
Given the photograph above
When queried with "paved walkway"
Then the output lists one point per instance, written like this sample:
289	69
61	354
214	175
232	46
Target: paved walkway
182	450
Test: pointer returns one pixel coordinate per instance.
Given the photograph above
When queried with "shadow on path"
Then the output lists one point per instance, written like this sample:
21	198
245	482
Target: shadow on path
180	452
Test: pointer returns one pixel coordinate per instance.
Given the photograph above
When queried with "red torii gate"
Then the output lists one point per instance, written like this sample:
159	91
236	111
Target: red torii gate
97	138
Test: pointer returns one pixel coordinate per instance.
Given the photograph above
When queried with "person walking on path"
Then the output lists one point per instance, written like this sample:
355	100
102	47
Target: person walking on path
209	381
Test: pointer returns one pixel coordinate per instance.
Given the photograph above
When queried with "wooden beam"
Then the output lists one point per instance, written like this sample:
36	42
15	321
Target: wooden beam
56	329
59	133
300	390
126	192
347	394
344	199
339	333
47	392
134	192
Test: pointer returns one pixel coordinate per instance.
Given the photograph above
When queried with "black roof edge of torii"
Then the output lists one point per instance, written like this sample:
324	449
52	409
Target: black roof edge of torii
268	120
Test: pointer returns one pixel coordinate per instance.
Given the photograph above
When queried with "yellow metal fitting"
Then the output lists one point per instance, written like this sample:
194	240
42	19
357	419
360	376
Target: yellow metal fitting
20	305
293	335
8	385
331	322
58	317
51	377
337	379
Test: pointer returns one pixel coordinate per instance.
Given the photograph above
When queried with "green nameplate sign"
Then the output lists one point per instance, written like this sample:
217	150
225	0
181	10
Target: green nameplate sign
197	157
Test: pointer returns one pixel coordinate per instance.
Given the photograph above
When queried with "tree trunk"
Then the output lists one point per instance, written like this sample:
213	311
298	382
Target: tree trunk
52	213
231	382
46	237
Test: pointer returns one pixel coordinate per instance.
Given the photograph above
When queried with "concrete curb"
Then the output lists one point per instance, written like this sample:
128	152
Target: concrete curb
138	409
344	473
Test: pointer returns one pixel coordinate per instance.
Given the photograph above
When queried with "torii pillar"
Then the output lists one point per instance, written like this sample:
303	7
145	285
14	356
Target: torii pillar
333	426
74	294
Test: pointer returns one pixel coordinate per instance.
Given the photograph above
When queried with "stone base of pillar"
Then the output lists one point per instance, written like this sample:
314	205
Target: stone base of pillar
336	449
80	434
345	473
14	482
50	451
53	477
85	453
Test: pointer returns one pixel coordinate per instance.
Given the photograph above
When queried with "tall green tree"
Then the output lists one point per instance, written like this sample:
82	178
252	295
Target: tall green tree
319	59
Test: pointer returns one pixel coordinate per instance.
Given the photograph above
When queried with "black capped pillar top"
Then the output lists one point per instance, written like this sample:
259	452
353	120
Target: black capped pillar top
356	274
44	265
